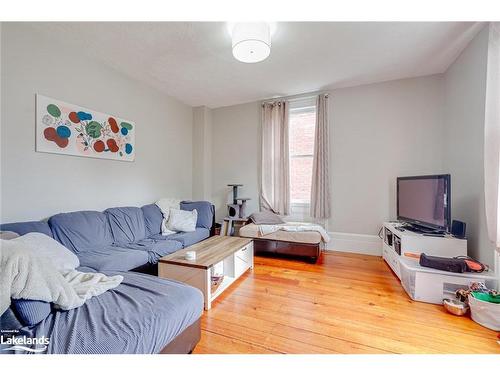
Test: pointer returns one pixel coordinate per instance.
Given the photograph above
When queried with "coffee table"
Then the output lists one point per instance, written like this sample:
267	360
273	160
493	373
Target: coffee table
232	256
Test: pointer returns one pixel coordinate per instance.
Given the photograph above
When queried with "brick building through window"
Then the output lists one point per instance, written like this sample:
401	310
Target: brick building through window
302	120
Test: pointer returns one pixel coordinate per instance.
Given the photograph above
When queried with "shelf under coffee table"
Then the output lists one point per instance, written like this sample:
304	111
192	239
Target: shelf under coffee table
232	255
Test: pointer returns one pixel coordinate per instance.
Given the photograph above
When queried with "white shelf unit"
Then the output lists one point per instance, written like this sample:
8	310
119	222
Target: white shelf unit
397	241
429	285
232	267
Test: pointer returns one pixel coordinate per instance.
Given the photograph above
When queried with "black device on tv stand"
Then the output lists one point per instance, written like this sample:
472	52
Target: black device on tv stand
421	229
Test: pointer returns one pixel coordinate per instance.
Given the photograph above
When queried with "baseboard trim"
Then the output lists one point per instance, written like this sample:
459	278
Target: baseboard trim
354	243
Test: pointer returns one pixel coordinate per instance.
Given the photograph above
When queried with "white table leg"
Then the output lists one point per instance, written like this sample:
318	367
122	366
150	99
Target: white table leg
207	293
250	248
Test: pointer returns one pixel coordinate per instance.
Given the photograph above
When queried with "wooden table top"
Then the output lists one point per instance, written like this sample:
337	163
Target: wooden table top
208	252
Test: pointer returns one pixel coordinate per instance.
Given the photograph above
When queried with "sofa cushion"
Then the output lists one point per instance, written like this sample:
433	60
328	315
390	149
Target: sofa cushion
81	231
152	219
113	258
27	227
155	248
158	236
190	238
142	315
126	223
205	211
31	312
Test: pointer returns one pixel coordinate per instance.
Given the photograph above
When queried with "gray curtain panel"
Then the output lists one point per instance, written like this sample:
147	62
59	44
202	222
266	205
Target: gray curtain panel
492	135
320	188
275	168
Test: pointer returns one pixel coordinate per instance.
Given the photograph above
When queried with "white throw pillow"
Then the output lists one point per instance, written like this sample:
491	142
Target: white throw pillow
165	204
182	221
44	246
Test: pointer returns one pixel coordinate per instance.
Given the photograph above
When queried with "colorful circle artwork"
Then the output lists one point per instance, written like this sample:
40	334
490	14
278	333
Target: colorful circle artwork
65	128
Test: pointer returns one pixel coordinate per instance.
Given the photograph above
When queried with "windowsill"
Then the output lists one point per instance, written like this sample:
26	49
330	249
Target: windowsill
300	204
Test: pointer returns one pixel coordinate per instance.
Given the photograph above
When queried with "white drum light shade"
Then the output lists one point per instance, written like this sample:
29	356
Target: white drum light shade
251	41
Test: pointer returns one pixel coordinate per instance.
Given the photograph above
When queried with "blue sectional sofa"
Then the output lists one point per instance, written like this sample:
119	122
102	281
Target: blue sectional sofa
144	314
120	238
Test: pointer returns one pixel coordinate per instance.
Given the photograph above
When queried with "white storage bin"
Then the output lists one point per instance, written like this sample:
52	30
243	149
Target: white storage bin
485	313
430	285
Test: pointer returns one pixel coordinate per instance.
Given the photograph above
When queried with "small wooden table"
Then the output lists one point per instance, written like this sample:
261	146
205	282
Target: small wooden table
233	255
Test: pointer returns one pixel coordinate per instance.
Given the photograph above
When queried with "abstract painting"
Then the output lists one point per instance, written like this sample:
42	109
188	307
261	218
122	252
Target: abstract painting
69	129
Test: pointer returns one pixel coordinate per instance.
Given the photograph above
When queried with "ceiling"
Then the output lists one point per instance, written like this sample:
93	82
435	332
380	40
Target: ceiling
192	61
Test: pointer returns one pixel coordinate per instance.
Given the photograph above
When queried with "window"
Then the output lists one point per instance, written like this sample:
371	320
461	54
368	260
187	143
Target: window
302	124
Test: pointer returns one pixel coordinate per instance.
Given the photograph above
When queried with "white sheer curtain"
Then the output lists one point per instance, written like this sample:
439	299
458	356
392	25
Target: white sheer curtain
320	188
275	170
492	136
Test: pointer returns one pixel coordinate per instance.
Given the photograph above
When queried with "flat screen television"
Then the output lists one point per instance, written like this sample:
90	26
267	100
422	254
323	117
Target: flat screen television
425	201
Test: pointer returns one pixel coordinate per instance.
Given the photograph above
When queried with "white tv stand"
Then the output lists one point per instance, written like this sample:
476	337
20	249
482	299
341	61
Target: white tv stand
397	241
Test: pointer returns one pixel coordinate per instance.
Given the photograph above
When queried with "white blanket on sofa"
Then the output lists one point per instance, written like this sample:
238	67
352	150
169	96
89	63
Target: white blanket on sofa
294	227
24	274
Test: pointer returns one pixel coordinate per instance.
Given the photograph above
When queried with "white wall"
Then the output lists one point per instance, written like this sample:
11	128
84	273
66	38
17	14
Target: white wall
465	88
202	153
236	154
378	132
36	185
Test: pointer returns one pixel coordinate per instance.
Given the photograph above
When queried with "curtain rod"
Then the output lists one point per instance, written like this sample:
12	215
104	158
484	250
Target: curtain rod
309	95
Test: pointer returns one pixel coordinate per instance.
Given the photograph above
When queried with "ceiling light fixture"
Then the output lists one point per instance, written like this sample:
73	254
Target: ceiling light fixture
251	40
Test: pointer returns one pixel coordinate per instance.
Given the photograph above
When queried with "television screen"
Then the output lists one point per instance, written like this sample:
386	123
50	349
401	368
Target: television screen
424	200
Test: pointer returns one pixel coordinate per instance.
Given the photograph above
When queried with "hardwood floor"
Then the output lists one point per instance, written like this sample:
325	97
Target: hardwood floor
346	303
